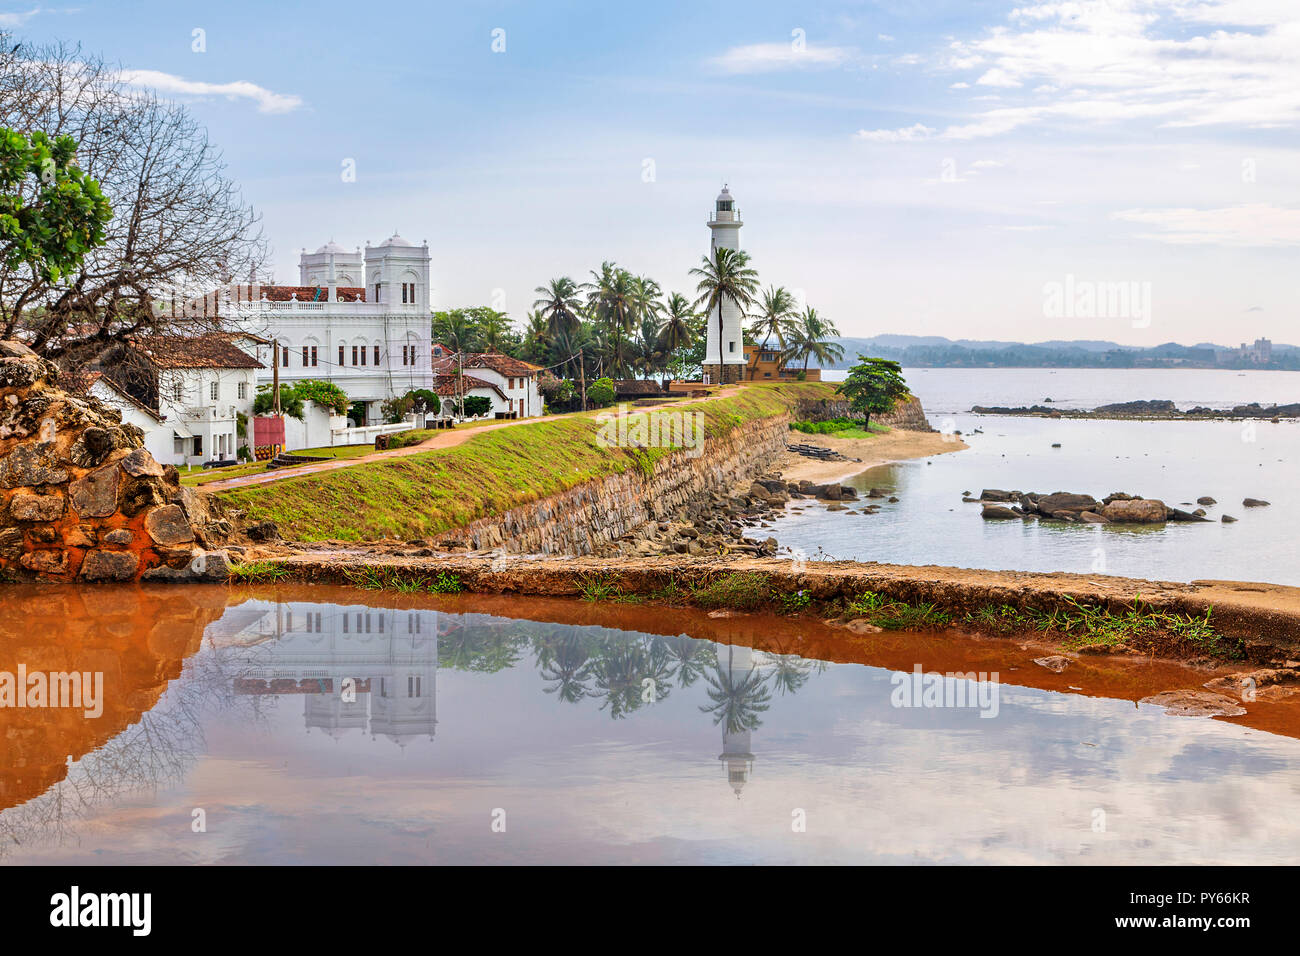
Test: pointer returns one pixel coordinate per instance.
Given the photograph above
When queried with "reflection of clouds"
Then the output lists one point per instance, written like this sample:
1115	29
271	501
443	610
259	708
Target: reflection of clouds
155	752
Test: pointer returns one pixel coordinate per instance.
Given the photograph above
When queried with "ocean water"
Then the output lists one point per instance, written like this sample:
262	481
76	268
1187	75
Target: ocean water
945	391
1177	462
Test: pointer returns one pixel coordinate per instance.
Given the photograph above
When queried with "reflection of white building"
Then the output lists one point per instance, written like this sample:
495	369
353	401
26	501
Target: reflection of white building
309	649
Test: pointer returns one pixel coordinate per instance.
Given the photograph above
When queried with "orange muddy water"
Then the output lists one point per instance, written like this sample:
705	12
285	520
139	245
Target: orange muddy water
308	724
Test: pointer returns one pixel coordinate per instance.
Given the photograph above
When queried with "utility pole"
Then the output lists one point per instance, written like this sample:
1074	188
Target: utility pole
275	377
582	377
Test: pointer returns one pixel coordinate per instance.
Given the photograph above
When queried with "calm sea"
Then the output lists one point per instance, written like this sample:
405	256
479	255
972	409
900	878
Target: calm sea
1174	461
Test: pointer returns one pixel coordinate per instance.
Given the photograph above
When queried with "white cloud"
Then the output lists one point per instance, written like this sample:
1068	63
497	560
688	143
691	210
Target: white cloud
997	77
906	135
1165	63
774	57
18	19
1251	224
986	164
167	83
960	86
884	38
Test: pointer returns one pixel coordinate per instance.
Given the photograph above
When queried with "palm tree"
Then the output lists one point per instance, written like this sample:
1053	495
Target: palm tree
611	302
811	339
774	317
725	276
493	328
676	330
537	344
561	303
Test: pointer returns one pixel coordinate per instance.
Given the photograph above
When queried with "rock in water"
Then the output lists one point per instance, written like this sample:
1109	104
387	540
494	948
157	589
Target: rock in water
1195	703
1254	503
1056	663
1136	511
997	512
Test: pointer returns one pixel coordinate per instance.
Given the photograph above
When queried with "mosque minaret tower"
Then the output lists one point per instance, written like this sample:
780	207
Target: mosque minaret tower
724	229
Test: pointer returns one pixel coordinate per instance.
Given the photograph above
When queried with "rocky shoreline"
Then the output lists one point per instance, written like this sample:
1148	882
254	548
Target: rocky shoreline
1158	409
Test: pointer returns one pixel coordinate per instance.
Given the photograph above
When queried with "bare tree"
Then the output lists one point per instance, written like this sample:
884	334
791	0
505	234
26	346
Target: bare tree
180	226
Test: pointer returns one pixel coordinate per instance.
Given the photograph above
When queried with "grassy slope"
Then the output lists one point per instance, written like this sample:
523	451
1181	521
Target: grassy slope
420	495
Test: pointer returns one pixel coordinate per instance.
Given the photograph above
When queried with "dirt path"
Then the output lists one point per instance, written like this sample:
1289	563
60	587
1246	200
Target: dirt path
896	445
443	439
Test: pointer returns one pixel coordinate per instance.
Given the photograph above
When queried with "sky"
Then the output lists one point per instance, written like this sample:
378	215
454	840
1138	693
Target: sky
929	167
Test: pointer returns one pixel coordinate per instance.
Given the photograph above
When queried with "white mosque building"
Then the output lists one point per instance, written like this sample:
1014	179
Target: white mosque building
359	319
724	228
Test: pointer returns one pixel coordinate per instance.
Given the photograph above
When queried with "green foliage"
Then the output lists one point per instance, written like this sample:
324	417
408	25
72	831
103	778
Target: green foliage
396	408
253	571
408	438
601	392
874	385
325	394
403	580
290	401
738	591
51	213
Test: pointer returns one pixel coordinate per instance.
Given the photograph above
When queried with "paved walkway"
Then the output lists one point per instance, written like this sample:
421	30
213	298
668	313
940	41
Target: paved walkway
442	439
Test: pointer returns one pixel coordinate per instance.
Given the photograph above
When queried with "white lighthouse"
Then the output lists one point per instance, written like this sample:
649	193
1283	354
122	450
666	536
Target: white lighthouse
724	229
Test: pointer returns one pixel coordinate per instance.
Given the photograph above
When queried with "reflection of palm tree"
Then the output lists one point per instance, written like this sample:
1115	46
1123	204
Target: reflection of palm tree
738	698
790	672
623	666
567	662
692	658
483	648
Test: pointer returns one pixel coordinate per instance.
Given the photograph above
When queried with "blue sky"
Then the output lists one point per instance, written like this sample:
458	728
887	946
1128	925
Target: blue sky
923	167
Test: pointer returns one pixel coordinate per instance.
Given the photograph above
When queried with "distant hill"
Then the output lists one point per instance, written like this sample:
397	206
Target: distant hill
935	351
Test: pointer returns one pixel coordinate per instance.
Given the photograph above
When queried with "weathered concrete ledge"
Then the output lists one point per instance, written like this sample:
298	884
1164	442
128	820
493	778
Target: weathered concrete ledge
1262	619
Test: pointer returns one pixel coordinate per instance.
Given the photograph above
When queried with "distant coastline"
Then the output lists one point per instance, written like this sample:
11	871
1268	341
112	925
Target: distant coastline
917	351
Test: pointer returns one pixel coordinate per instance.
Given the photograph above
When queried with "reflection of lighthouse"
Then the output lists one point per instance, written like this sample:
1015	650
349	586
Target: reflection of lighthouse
356	667
736	755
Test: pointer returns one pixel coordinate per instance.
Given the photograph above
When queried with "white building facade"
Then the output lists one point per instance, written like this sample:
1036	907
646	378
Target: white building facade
358	319
724	230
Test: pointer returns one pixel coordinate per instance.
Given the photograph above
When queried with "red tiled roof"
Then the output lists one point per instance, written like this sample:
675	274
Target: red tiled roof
213	350
447	385
502	364
637	386
312	293
80	383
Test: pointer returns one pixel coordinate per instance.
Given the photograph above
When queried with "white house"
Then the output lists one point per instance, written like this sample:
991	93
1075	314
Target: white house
512	384
157	436
186	392
359	320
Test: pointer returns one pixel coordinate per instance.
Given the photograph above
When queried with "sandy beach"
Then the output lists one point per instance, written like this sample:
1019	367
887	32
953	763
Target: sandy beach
896	445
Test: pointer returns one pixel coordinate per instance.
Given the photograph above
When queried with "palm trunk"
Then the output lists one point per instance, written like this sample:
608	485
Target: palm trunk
721	366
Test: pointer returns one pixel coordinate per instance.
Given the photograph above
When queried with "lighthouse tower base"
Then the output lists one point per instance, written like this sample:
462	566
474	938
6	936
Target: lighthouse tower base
730	373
